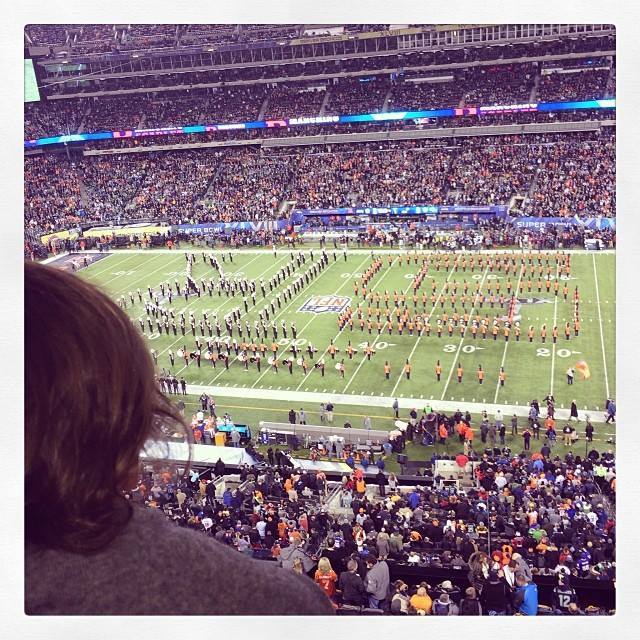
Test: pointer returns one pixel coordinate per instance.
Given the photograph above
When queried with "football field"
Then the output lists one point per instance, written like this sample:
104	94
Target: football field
531	369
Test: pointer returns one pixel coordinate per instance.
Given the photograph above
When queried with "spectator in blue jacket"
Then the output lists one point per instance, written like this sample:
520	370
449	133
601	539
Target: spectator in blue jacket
526	596
583	561
414	499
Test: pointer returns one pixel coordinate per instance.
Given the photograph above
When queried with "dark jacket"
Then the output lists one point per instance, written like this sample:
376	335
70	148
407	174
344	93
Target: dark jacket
494	596
336	558
352	588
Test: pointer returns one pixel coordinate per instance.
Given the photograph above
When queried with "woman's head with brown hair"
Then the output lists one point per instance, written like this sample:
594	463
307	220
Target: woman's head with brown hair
91	403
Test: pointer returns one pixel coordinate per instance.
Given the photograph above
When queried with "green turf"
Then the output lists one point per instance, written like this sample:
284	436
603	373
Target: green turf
529	375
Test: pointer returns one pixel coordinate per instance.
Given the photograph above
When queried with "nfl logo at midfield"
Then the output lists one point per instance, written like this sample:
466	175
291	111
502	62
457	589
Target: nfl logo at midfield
325	304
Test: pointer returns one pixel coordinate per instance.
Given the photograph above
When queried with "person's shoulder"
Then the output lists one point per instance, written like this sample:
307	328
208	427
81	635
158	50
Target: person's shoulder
229	574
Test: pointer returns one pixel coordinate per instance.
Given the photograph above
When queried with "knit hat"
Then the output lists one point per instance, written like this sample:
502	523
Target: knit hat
447	585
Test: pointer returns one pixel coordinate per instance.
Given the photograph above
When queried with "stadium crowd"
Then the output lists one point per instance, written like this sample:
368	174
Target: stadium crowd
363	95
54	118
526	515
285	102
174	184
577	182
51	194
588	84
116	114
247	186
230	184
501	84
409	95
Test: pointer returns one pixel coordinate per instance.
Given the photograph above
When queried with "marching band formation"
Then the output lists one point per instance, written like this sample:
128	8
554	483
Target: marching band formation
456	309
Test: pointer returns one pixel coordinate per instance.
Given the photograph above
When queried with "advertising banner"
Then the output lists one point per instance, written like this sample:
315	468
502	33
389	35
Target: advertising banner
428	209
605	103
206	228
96	232
599	223
495	209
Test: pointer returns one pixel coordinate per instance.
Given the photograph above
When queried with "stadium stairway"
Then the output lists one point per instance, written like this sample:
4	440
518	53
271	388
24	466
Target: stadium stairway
85	195
84	118
532	186
263	108
610	89
207	195
325	101
452	196
534	89
286	207
387	99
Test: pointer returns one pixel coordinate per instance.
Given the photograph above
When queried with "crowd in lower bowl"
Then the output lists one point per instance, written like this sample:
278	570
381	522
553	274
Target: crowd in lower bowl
527	519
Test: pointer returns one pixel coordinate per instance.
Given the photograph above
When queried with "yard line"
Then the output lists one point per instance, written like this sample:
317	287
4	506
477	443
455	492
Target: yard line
604	358
553	345
453	365
294	300
130	286
368	257
222	306
506	344
415	346
378	335
108	264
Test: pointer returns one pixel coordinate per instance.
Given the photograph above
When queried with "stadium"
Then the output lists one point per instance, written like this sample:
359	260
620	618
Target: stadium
357	281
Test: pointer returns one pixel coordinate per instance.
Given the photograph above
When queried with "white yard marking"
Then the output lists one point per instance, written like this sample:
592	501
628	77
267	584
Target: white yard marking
145	277
453	364
506	344
294	301
362	361
108	263
553	345
219	309
105	283
352	251
604	357
415	346
337	334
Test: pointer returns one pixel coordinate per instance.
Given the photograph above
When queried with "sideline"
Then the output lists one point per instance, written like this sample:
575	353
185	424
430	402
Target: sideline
302	247
604	355
382	401
224	405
